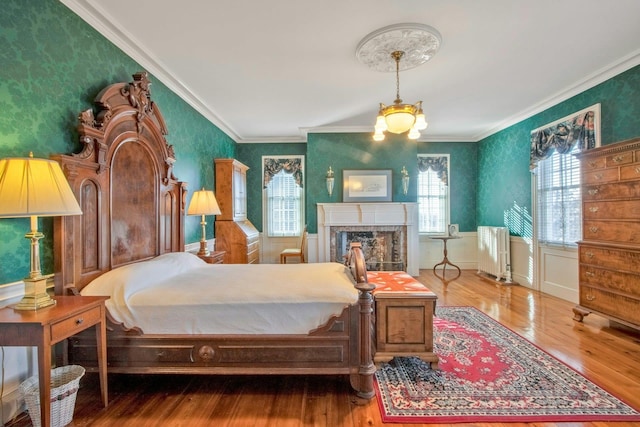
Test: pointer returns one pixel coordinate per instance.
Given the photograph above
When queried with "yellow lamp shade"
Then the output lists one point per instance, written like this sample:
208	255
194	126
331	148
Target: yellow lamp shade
203	202
34	187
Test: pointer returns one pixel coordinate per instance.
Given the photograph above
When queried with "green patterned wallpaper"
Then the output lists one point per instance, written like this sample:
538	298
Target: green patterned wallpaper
355	151
463	178
504	180
52	65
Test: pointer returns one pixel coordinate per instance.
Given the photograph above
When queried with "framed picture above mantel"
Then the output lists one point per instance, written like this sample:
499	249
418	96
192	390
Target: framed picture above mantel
366	185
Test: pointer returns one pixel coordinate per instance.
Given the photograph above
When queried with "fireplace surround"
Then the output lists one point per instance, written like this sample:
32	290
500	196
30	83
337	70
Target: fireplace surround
391	229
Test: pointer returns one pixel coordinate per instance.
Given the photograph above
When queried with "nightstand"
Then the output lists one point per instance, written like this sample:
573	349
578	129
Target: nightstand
215	257
45	327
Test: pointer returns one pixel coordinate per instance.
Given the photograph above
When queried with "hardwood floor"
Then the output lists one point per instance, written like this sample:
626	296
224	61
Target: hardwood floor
609	357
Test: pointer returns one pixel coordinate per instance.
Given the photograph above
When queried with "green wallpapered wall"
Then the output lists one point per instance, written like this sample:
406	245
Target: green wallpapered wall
52	65
504	180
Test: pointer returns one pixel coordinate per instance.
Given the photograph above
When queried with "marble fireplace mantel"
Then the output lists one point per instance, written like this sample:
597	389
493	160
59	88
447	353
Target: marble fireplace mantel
369	214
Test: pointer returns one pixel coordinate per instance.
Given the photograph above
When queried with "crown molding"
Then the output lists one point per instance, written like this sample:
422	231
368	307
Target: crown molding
588	82
91	12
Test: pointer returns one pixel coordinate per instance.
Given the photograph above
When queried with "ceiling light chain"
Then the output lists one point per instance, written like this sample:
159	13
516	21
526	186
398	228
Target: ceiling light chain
399	118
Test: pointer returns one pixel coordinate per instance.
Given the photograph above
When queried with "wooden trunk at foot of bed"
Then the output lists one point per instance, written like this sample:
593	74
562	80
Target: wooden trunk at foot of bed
133	210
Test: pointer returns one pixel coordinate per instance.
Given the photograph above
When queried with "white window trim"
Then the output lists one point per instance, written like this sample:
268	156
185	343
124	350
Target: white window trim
448	207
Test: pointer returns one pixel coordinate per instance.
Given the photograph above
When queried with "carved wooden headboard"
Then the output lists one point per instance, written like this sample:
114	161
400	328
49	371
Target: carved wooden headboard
133	206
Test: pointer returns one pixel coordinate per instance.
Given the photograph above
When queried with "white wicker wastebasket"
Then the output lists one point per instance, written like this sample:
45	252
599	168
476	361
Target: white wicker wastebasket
64	388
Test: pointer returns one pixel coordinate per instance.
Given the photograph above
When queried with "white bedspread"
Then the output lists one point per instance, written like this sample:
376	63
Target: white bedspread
178	293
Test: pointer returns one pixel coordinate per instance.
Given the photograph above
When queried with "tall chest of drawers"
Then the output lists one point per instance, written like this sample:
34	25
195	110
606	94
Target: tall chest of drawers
609	253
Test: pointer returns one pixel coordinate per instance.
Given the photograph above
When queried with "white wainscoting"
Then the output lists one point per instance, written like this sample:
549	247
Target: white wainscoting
558	272
19	363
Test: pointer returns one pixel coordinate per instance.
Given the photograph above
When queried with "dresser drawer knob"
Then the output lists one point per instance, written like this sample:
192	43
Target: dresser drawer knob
592	164
593	229
590	274
637	169
593	191
589	254
618	159
593	209
597	176
590	297
79	321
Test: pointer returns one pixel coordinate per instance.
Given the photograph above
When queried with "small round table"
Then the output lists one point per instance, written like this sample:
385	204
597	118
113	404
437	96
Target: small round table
445	261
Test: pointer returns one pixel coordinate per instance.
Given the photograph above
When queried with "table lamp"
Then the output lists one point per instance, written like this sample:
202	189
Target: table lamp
203	203
31	187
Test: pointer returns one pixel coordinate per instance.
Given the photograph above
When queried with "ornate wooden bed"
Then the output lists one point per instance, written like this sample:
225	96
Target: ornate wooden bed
133	210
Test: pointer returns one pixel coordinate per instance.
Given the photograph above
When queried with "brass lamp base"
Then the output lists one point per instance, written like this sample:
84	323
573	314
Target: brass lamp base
35	295
204	249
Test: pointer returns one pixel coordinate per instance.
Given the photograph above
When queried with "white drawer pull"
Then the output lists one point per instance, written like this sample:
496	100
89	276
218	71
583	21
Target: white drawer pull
590	273
590	297
589	254
592	164
597	176
593	192
637	169
593	229
618	159
593	209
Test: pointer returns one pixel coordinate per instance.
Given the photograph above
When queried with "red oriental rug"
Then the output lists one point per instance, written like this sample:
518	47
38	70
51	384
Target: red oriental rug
488	373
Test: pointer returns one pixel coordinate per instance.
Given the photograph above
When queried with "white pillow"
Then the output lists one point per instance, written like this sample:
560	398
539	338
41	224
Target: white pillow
142	274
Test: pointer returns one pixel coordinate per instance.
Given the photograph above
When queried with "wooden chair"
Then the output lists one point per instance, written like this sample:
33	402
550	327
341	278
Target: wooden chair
295	252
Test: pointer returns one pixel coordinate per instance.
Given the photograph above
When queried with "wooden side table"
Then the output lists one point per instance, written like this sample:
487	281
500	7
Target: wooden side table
445	261
45	327
215	257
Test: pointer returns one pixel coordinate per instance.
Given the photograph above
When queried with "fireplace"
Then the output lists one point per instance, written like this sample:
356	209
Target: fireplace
388	233
384	248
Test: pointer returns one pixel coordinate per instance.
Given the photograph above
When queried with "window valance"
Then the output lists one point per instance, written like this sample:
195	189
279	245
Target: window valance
293	166
436	164
563	136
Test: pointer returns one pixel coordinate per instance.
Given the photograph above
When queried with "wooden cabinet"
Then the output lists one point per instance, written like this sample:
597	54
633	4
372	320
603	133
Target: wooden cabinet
231	189
235	235
609	253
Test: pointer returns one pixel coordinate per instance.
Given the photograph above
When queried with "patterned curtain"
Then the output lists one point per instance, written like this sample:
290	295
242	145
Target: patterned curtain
291	166
563	137
436	164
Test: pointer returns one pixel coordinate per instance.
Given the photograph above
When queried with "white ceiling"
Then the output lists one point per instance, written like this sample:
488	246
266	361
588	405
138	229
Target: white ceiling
271	71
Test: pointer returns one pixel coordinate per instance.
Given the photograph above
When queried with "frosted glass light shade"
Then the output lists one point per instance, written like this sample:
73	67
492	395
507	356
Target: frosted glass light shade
400	122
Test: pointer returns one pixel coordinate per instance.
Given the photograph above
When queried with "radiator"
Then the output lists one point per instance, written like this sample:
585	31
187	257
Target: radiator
494	254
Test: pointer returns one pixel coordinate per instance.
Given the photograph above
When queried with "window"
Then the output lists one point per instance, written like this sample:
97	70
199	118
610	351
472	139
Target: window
433	193
559	210
283	196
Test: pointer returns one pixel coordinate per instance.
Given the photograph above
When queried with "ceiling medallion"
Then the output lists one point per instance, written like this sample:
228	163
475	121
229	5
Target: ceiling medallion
419	43
395	48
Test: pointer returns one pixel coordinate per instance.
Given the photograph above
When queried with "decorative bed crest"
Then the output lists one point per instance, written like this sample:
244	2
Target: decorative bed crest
127	107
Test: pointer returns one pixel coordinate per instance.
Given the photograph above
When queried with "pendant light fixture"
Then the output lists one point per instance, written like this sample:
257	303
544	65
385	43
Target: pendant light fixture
395	48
